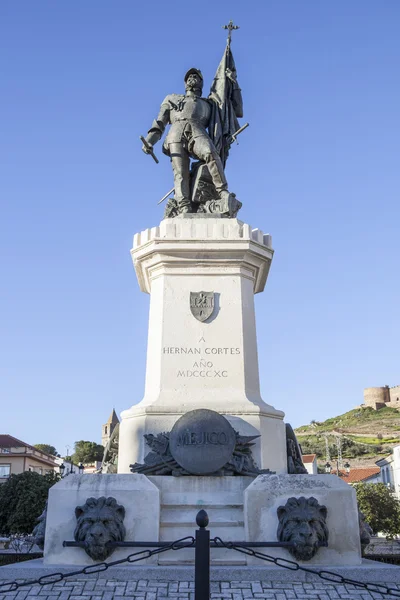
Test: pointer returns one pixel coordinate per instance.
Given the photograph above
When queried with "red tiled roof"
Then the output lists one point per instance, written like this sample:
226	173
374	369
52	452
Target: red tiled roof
308	458
8	441
358	474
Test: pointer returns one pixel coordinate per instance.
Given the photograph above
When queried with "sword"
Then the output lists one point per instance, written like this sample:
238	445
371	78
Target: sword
166	196
149	148
234	136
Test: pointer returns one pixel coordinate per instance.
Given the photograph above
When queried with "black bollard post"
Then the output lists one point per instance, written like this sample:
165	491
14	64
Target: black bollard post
202	558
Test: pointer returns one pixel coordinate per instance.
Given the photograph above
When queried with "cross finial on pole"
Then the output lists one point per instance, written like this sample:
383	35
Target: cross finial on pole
230	27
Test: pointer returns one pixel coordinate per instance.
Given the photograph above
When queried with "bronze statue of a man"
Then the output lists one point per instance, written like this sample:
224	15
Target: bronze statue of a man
189	116
202	129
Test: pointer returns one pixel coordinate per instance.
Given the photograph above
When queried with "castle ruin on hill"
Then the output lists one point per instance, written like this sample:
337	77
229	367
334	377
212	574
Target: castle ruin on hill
379	397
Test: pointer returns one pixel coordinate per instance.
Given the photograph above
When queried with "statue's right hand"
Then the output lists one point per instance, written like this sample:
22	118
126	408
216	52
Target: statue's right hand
147	149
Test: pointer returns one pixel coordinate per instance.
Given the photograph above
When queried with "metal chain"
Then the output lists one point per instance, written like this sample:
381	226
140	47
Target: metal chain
185	542
294	566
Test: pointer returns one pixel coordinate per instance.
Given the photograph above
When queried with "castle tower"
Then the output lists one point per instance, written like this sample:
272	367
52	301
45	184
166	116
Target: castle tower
108	427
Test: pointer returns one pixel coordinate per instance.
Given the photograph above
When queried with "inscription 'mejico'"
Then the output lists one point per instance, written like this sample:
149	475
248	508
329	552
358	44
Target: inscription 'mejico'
191	438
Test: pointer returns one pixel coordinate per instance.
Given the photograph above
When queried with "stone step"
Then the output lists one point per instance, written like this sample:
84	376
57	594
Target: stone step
224	559
228	530
221	516
205	505
208	499
189	525
218	556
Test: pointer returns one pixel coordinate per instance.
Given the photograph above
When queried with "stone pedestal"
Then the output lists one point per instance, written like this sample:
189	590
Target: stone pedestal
266	493
211	364
139	497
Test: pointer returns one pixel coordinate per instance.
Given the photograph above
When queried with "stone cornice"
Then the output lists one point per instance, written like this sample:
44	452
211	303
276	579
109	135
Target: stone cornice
225	246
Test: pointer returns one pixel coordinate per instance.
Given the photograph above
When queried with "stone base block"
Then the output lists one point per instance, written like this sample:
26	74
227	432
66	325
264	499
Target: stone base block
140	498
267	493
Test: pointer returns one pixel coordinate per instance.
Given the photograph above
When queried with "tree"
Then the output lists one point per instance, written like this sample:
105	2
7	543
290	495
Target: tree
87	452
22	500
47	448
380	507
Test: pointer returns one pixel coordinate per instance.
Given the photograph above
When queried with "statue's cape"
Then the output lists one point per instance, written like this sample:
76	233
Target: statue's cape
223	123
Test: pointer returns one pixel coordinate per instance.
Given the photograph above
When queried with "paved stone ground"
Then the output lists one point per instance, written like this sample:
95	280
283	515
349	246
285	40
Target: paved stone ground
108	589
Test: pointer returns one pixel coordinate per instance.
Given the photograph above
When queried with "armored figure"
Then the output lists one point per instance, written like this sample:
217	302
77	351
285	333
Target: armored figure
202	129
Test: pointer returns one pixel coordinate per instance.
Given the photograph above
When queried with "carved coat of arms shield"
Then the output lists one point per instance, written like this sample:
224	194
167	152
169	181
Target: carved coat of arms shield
202	305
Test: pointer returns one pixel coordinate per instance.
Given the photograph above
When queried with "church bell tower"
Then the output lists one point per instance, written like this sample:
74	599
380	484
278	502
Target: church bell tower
109	427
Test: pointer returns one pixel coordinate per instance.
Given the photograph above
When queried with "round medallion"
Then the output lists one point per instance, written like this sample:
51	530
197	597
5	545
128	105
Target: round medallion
202	441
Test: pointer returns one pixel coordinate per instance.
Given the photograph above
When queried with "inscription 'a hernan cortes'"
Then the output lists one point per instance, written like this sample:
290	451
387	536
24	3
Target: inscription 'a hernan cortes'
182	350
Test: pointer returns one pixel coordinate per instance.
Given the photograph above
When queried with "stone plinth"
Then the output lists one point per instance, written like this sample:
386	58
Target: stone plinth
139	497
266	493
211	364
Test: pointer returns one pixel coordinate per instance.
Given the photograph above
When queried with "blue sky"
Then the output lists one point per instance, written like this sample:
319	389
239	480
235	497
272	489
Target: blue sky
318	168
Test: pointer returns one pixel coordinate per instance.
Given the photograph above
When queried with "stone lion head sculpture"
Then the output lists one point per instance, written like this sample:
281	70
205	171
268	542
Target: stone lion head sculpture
302	521
99	520
365	530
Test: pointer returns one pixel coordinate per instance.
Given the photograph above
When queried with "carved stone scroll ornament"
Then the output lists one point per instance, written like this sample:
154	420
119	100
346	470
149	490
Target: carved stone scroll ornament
302	521
99	520
161	462
295	464
39	531
110	457
365	530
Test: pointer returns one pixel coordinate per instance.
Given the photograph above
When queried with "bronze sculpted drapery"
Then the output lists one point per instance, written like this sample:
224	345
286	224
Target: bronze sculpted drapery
202	129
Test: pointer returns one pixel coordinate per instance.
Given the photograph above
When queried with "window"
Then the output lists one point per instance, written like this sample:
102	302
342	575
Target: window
38	470
105	429
5	470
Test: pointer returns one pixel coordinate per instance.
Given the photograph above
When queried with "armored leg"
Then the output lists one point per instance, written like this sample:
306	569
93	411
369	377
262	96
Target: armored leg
180	165
204	150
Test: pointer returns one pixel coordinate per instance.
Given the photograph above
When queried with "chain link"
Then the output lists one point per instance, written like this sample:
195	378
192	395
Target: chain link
188	542
294	566
12	586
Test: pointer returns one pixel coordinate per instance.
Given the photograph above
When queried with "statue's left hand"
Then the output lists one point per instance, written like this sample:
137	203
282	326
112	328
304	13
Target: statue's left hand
231	75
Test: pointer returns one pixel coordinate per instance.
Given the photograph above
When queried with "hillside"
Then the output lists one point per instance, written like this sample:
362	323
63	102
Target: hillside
366	435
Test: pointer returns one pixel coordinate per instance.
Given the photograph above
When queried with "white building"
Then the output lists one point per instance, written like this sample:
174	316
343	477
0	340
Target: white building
310	463
390	470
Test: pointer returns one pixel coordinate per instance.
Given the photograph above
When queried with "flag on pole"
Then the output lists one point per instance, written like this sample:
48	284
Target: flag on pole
227	104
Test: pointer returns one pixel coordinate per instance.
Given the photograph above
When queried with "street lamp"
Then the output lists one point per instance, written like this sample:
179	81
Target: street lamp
62	469
81	468
328	468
